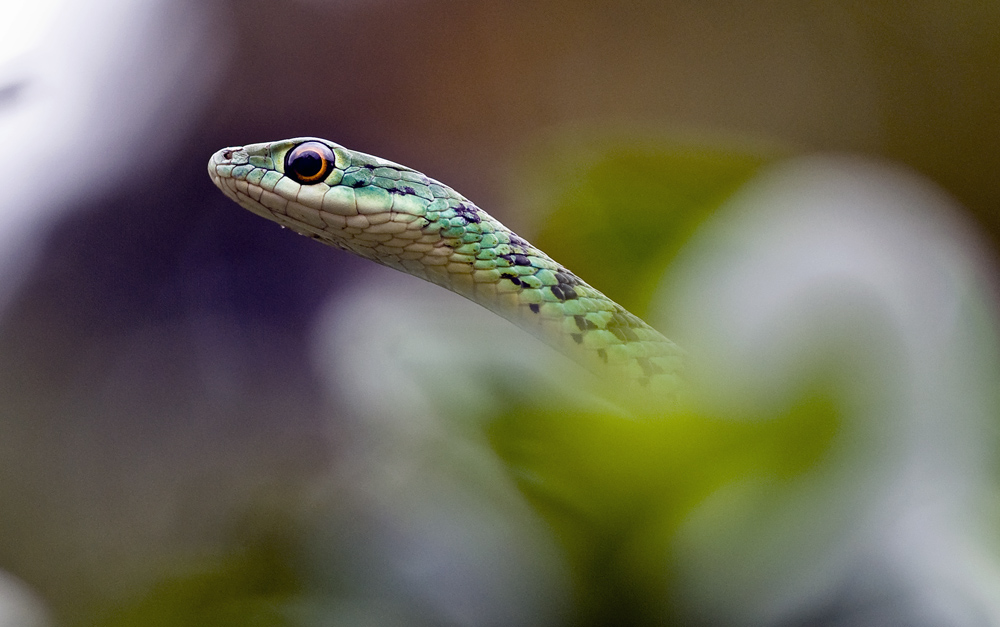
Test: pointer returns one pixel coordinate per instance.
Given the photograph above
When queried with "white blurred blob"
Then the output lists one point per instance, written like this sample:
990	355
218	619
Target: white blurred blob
24	25
91	94
20	606
849	268
417	369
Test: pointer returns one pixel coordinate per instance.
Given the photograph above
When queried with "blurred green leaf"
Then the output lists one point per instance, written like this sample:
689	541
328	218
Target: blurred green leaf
618	211
614	489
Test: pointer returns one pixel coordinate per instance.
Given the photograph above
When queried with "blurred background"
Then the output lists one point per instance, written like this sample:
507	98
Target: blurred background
206	420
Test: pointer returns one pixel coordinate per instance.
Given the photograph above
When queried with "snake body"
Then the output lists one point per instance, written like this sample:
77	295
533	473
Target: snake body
400	218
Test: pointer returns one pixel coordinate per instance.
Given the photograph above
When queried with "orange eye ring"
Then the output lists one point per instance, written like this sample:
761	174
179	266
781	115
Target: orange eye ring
309	162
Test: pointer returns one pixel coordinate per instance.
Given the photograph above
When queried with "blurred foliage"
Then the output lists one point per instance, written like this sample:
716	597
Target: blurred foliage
615	487
253	585
619	211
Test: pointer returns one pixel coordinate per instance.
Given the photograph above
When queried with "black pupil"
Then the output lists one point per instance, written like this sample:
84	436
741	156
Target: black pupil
307	163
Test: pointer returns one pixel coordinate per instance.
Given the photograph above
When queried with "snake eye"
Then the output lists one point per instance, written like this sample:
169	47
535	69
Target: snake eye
309	162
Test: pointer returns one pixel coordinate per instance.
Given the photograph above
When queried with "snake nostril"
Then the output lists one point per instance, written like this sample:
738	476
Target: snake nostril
227	154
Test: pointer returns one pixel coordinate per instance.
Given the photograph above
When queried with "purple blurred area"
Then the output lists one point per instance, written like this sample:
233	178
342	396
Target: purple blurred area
157	388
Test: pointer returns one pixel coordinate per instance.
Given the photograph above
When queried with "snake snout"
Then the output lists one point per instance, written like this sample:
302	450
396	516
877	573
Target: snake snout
233	155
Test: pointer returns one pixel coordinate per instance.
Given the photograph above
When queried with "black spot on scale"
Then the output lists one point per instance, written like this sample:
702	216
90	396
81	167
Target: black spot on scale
409	191
517	240
577	337
358	183
620	326
567	278
533	307
517	260
583	324
563	292
471	214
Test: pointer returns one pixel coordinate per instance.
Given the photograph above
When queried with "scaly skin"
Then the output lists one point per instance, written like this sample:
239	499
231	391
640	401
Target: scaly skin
402	219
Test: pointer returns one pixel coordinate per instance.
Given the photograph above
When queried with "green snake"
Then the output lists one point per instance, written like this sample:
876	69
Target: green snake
400	218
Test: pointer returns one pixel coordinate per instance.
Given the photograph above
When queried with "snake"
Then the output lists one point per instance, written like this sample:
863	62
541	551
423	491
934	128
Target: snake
400	218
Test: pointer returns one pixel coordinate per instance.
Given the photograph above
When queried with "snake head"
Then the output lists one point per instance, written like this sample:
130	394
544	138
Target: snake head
373	207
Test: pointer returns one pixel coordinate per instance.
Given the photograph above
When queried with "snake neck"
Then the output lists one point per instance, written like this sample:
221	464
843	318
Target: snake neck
484	261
